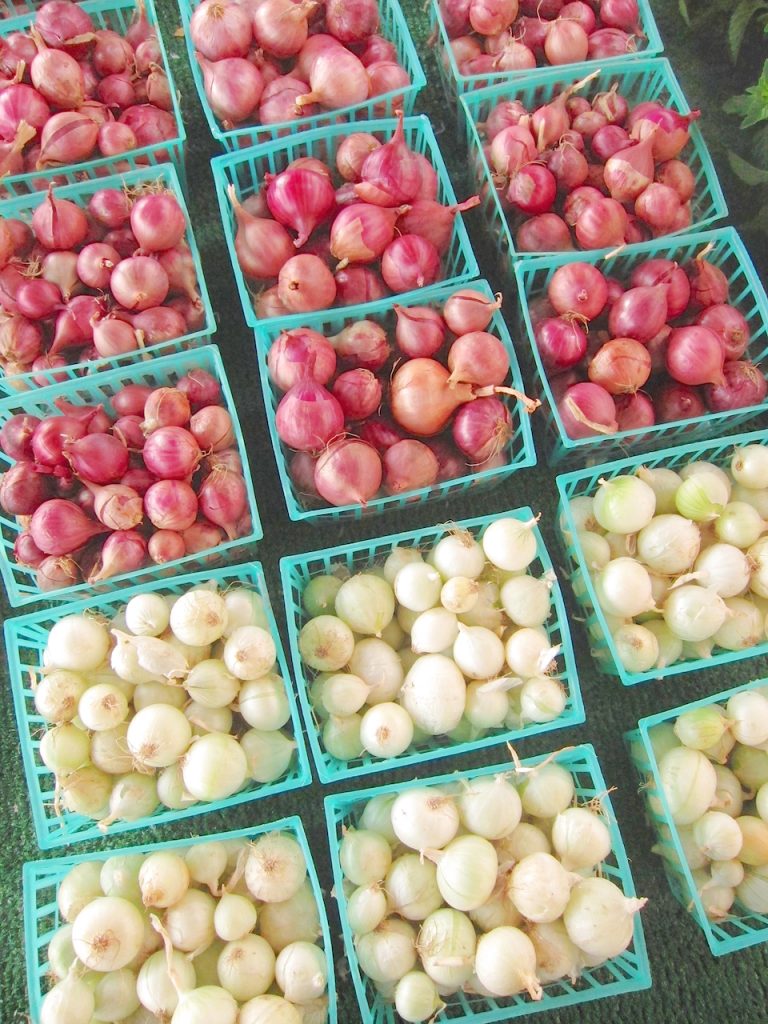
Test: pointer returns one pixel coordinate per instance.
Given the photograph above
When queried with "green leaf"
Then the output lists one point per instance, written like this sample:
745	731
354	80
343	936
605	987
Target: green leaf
748	173
683	8
743	13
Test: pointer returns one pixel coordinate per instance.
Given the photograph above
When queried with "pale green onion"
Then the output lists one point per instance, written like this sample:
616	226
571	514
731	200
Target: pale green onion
366	603
624	504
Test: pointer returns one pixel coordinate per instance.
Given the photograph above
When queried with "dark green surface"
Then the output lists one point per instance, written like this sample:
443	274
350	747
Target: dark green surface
689	985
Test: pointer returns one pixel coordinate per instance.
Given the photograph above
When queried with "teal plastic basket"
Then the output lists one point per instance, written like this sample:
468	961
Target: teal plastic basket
519	448
41	880
246	170
639	79
297	570
23	207
98	388
746	291
26	638
115	15
585	482
741	928
628	972
455	83
393	27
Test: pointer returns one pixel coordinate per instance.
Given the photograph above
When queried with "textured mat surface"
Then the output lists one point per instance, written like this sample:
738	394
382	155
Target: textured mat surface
689	985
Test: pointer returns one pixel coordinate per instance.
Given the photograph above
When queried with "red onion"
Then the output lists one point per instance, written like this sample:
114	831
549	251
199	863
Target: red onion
139	282
200	387
212	428
262	246
223	499
532	189
634	410
358	392
363	343
128	429
298	353
124	551
97	458
504	114
478	358
666	272
455	16
376	48
26	552
352	21
515	56
348	472
23	489
300	199
59	527
54	573
566	42
67	138
420	330
587	409
337	79
667	129
57	76
302	473
659	206
94	416
546	233
233	87
304	283
622	14
50	436
410	262
131	399
160	323
167	546
171	453
16	436
42	367
318	43
171	505
355	285
380	433
561	342
601	223
59	223
709	285
743	385
113	337
469	310
391	174
280	26
202	536
639	313
158	221
386	76
179	265
116	91
513	147
673	401
278	100
111	54
630	170
308	416
219	29
568	165
61	269
166	407
75	322
117	506
110	207
147	53
268	303
149	124
481	429
729	325
695	356
21	340
609	140
95	263
578	288
610	42
409	465
20	103
361	232
115	138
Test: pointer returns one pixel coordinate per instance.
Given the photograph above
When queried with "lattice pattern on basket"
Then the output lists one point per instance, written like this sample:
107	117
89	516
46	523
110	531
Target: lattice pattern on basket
24	206
41	879
518	448
116	15
739	930
585	482
245	169
746	292
628	972
393	26
639	80
97	389
455	83
26	638
297	570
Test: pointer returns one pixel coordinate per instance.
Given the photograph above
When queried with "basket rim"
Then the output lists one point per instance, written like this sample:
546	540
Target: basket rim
293	565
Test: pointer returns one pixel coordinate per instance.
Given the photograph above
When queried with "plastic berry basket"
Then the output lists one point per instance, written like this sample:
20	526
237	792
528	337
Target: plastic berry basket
628	972
455	83
25	639
393	27
246	169
741	928
97	389
41	879
585	482
519	448
165	175
297	570
115	15
727	251
639	80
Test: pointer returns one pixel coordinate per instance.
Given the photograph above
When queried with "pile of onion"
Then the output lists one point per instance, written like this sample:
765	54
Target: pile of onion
98	494
490	887
394	405
589	168
107	278
678	558
213	929
73	92
174	700
420	649
281	61
315	236
710	766
491	37
660	345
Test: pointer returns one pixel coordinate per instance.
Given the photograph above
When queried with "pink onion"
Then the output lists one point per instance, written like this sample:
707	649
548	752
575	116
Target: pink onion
695	356
262	246
158	221
212	428
352	21
409	465
16	436
166	546
170	505
478	358
300	199
26	552
666	272
139	282
578	288
308	416
128	429
481	429
23	489
304	283
336	79
131	399
673	401
621	366
566	42
433	221
628	172
469	310
202	536
729	325
709	285
363	343
358	392
355	285
380	433
391	174
149	123
166	407
610	42
546	233
220	29
352	152
19	103
200	387
171	453
348	472
67	138
233	87
223	499
124	551
361	232
298	353
587	409
280	26
561	342
160	323
278	100
117	506
59	223
601	223
410	262
97	458
57	76
743	385
634	410
639	313
59	527
55	573
110	207
419	331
